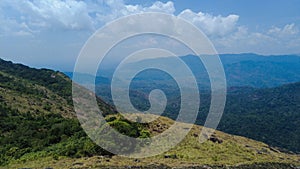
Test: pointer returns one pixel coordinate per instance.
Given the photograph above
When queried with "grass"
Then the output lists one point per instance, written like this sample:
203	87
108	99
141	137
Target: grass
234	150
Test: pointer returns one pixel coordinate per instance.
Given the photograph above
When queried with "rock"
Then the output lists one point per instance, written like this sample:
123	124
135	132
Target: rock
215	139
77	163
173	156
274	149
137	160
195	135
248	146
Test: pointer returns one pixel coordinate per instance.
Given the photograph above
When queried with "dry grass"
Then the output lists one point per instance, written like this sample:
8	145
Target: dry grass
234	150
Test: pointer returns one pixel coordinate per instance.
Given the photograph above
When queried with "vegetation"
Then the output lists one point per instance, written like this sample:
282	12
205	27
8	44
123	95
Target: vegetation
231	152
24	136
37	117
54	81
38	129
270	115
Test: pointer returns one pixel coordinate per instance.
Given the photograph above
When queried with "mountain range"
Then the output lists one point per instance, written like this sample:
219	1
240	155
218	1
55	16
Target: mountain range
39	128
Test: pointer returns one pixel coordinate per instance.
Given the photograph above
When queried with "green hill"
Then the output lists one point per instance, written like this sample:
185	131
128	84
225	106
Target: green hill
39	129
37	116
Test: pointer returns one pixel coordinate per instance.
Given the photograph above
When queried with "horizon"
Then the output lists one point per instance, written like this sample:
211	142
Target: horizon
71	70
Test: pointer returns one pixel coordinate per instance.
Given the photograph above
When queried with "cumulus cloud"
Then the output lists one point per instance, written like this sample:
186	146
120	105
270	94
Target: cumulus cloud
287	31
277	40
119	9
288	37
34	16
31	17
51	14
69	14
211	25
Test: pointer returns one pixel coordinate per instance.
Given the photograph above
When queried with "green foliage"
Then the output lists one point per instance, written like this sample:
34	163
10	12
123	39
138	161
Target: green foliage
23	133
55	81
35	118
125	128
145	134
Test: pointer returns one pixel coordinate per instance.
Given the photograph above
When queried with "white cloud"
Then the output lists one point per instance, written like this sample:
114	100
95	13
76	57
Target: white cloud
287	31
287	37
119	9
276	40
69	14
89	15
211	25
55	14
31	17
19	18
161	7
230	37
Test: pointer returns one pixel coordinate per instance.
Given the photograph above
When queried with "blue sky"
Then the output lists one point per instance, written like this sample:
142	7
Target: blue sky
51	33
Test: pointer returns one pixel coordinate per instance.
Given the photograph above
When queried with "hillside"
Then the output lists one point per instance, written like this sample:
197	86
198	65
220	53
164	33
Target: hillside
269	115
37	116
39	129
263	95
220	151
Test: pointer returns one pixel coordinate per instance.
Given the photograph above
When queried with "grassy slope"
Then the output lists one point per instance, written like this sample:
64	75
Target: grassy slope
234	150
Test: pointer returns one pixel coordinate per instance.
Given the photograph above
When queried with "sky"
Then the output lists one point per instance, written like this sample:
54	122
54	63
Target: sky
51	33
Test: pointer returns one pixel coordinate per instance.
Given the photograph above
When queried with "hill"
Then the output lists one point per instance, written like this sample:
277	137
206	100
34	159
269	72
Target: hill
37	116
39	129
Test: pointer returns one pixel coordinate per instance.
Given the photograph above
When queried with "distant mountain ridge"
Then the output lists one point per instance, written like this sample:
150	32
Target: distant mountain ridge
246	69
234	58
243	69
